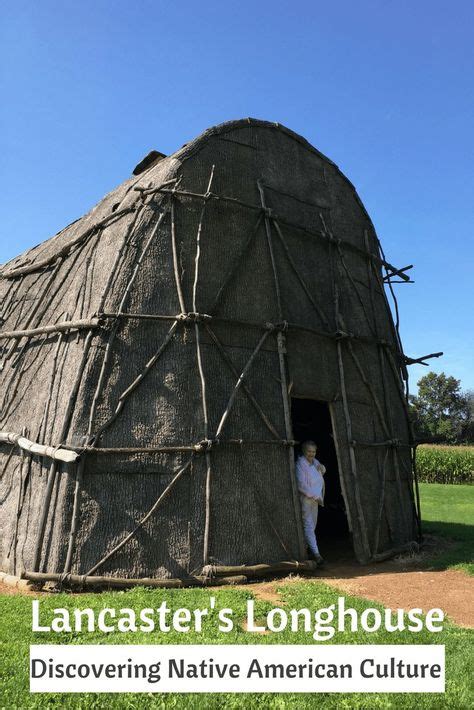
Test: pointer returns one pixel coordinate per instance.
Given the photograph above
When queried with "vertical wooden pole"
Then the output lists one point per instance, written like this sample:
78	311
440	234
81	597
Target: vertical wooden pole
347	416
384	389
268	231
174	248
341	477
44	515
202	377
75	514
281	343
415	498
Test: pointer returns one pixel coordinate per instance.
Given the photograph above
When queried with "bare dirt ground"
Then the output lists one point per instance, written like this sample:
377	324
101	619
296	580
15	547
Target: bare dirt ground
403	583
449	590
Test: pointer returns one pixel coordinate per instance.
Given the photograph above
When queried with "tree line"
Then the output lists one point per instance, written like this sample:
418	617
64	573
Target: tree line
441	412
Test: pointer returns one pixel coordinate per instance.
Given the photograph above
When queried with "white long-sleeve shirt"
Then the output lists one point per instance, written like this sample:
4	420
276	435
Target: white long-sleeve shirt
310	480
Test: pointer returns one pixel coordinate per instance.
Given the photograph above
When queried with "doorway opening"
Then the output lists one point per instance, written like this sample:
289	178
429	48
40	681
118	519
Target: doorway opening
311	419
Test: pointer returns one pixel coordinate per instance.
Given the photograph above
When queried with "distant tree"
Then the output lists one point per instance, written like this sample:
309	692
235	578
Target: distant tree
469	433
441	412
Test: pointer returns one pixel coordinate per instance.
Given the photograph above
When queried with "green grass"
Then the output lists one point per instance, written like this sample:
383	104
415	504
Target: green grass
16	636
448	512
445	464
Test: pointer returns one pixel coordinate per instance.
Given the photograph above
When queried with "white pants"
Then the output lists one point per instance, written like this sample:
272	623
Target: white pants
309	509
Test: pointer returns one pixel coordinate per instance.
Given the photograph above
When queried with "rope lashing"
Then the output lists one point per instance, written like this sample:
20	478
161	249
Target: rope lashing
205	445
332	239
193	317
342	334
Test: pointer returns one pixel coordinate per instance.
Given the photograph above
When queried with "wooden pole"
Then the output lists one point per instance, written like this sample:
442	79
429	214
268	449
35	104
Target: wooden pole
174	249
44	515
268	232
281	344
43	263
86	324
370	390
402	393
245	388
262	569
142	256
107	355
142	522
239	383
74	393
199	447
354	286
381	501
113	332
75	515
298	275
126	393
383	469
55	453
40	308
342	478
21	483
80	582
312	233
360	510
202	378
232	271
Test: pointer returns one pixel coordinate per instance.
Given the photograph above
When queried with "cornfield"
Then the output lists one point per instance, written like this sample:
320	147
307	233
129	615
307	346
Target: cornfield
445	464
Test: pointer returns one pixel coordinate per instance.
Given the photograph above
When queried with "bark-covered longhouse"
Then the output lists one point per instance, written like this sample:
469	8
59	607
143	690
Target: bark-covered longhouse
162	341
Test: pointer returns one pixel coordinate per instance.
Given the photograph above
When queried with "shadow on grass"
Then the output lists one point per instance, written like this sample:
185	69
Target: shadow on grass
445	545
456	545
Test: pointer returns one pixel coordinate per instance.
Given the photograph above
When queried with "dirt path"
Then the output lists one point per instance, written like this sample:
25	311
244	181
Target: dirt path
394	587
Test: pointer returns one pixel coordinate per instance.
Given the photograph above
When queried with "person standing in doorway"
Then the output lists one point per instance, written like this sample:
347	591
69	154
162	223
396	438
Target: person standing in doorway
310	480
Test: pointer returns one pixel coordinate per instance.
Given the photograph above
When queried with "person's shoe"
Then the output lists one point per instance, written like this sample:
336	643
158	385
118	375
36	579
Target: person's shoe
315	556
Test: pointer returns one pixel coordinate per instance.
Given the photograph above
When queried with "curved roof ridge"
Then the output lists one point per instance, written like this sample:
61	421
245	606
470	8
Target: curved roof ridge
189	149
194	145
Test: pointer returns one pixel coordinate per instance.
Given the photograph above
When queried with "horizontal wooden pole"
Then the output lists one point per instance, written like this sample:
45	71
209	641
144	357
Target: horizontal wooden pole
80	581
199	447
419	360
255	207
62	327
261	325
390	442
210	575
403	549
58	454
260	570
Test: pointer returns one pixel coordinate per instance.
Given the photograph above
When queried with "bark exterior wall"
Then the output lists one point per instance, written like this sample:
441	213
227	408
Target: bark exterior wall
64	388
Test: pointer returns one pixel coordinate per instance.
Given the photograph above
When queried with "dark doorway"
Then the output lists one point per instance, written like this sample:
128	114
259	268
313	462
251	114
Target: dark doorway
312	420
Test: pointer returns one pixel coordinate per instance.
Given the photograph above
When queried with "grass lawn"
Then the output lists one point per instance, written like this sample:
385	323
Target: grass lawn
445	512
448	511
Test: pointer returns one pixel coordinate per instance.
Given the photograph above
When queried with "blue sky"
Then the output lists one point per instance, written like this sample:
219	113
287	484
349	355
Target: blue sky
384	88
